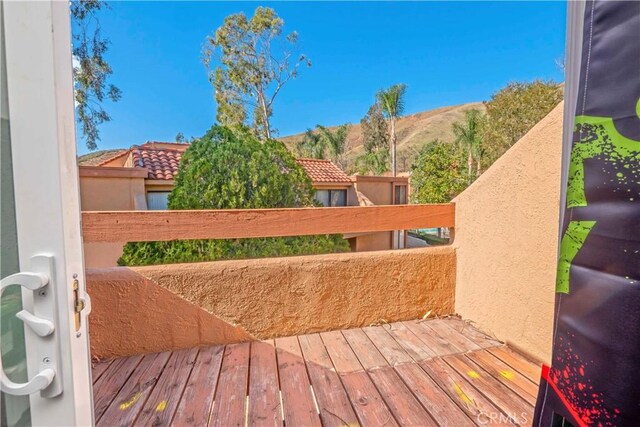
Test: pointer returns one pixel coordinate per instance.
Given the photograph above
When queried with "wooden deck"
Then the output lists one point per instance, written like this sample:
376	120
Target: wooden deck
422	373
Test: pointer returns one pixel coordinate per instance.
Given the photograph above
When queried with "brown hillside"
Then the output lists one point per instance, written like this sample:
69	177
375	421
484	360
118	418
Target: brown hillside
413	131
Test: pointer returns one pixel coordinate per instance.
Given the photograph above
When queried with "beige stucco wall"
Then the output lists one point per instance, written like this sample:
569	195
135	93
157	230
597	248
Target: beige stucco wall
101	189
378	192
111	193
264	298
132	315
506	240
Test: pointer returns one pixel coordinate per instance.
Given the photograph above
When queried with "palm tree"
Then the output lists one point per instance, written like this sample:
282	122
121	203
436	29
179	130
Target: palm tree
468	137
392	103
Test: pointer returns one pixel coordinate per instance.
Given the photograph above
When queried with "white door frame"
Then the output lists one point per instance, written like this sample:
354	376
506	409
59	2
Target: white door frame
41	108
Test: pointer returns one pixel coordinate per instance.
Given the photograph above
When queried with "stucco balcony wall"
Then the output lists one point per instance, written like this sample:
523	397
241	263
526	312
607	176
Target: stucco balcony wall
157	308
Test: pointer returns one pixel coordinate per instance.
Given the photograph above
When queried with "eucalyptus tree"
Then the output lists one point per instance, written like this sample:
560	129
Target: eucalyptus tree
249	61
91	70
391	101
375	141
468	137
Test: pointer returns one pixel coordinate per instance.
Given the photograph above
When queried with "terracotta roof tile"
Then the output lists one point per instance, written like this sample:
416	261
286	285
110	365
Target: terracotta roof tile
98	158
161	162
323	171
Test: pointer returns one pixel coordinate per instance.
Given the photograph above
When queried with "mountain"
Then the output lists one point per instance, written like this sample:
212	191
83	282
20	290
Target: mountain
413	132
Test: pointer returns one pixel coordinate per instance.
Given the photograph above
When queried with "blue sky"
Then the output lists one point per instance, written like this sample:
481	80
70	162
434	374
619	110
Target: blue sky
447	53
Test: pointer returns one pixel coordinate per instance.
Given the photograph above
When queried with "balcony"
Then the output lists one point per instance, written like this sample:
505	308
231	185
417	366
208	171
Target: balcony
369	338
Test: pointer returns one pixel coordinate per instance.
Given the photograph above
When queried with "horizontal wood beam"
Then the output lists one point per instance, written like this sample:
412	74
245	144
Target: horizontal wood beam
143	226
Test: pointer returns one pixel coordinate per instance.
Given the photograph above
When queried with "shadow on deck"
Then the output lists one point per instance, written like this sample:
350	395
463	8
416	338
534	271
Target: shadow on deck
423	373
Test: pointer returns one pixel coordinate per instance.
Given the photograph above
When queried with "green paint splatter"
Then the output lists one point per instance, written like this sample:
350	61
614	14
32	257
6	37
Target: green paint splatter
599	139
572	241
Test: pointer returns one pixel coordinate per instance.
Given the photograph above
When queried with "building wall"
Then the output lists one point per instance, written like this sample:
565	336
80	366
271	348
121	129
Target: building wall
133	308
506	241
109	189
378	192
109	193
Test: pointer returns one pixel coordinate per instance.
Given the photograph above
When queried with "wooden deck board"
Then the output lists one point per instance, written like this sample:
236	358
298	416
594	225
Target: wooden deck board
197	399
405	407
517	362
264	387
110	383
389	347
510	403
431	396
368	354
231	395
506	375
408	373
165	397
129	402
99	368
298	400
333	402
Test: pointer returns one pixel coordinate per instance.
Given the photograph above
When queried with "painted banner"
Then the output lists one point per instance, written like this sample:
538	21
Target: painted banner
594	377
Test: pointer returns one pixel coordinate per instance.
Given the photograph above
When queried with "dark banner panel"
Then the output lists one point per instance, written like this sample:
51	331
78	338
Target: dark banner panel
594	377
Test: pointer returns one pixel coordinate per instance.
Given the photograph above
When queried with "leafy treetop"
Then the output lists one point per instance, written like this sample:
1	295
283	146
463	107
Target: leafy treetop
249	62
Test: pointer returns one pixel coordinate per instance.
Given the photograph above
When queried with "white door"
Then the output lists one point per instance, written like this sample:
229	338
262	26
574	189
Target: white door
45	370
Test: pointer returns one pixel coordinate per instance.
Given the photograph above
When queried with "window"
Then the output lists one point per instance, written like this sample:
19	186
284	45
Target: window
332	197
158	200
401	195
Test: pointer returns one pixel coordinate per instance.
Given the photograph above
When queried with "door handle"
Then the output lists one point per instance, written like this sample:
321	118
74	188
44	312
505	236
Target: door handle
40	282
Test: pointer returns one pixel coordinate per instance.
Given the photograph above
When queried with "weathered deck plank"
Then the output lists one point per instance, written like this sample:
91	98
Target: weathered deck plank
333	402
433	372
405	407
510	403
99	368
265	408
506	375
517	362
368	354
165	397
130	400
110	383
432	397
298	401
231	395
389	347
197	399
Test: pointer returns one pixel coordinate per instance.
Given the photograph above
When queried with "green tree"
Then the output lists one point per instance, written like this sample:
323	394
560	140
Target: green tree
247	70
335	141
311	145
231	169
391	102
324	143
437	175
513	111
91	71
467	136
375	143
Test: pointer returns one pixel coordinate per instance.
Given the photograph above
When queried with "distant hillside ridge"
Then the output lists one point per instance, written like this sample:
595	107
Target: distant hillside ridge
413	131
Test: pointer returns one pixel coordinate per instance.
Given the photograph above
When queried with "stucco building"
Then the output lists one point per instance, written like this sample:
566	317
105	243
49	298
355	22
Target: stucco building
141	178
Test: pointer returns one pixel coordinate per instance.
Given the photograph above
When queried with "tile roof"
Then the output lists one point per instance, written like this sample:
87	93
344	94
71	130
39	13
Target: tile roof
161	161
323	171
97	158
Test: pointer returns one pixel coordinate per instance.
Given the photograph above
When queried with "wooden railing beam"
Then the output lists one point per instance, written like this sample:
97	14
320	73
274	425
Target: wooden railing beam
141	226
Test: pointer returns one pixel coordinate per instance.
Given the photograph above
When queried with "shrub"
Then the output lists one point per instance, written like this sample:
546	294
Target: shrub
231	169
